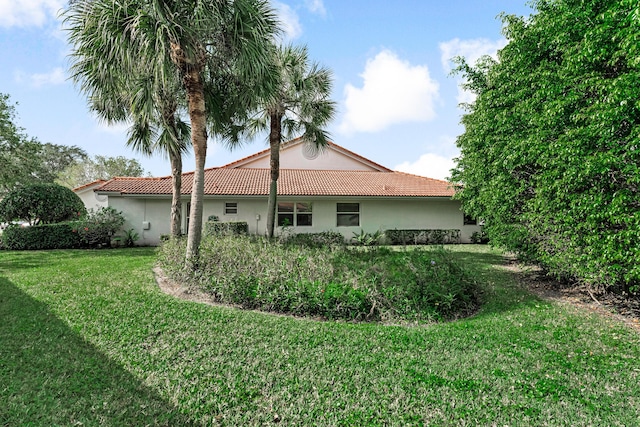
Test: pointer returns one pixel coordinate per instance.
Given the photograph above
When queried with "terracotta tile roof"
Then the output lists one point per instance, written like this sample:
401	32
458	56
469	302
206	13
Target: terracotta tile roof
292	182
89	184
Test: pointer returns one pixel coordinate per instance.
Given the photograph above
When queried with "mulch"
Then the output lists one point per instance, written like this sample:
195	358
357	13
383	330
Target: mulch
623	307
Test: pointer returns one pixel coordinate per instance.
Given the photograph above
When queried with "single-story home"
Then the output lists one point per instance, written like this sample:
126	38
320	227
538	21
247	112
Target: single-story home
328	190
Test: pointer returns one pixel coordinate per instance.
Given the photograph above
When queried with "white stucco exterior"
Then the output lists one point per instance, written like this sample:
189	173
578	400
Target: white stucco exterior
148	213
150	216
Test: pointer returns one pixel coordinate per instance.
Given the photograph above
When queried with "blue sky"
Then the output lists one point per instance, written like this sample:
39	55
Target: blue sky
397	103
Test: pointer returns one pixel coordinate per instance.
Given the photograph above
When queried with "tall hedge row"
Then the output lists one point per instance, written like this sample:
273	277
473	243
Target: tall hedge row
550	156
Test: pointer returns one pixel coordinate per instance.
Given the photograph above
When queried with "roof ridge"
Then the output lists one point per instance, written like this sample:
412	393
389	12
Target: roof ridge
425	177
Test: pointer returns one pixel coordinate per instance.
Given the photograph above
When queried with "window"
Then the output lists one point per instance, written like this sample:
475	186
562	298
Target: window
468	220
348	214
231	208
295	213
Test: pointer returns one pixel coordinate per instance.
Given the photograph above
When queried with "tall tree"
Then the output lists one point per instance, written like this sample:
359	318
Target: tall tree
299	104
204	42
99	167
23	159
551	148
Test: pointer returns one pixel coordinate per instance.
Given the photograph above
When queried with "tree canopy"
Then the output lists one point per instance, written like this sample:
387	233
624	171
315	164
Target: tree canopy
23	159
46	203
98	167
206	45
550	155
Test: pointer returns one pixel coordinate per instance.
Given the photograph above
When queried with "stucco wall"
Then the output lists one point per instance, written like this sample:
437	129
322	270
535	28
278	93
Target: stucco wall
294	158
92	200
375	214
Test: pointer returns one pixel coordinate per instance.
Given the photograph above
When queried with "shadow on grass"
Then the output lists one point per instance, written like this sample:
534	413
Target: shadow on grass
21	260
49	375
501	287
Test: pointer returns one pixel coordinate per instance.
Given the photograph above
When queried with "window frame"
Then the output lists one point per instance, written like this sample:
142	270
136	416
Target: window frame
228	209
295	213
350	213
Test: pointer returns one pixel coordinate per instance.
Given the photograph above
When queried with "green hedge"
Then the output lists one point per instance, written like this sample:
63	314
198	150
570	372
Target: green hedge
422	237
47	236
225	228
315	240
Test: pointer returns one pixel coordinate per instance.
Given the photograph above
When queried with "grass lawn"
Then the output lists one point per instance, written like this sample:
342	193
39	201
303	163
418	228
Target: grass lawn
87	338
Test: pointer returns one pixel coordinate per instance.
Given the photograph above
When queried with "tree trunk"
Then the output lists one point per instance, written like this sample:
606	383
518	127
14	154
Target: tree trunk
197	115
176	186
274	142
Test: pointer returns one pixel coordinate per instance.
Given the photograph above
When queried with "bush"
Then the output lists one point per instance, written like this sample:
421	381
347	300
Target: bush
479	237
335	283
97	228
41	204
46	236
214	227
314	240
422	237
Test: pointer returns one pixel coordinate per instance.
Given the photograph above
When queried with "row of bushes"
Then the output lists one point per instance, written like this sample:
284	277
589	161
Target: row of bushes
340	283
95	229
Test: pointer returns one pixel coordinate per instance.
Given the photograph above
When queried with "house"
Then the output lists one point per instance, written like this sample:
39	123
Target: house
332	189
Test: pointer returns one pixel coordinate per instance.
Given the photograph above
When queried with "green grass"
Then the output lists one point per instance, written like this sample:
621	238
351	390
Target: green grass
86	338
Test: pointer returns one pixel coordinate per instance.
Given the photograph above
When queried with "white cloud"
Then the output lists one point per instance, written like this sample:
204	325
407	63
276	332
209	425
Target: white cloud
393	91
471	50
429	165
24	13
289	20
316	6
55	77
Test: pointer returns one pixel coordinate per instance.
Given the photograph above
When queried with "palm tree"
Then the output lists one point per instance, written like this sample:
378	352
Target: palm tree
206	43
158	127
298	104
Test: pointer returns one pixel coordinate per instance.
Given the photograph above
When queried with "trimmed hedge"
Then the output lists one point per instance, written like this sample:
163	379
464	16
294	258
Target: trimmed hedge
314	240
46	236
225	228
422	237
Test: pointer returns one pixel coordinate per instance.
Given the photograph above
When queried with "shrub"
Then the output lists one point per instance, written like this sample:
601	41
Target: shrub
97	228
335	283
41	204
313	240
214	227
367	239
46	236
479	237
422	237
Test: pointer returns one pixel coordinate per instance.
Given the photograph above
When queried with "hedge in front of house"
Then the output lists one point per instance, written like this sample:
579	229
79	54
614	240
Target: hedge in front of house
46	236
422	237
226	228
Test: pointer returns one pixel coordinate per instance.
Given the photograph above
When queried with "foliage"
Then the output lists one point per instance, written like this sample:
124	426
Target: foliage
41	204
367	239
99	167
217	52
335	282
36	237
97	227
81	327
130	237
479	237
313	240
298	104
24	160
422	237
551	151
226	228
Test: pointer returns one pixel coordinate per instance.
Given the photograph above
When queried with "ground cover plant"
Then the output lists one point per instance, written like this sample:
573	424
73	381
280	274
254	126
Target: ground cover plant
335	282
88	338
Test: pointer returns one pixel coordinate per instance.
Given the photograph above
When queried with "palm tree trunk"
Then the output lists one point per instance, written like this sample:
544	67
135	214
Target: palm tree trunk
195	97
274	143
176	186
